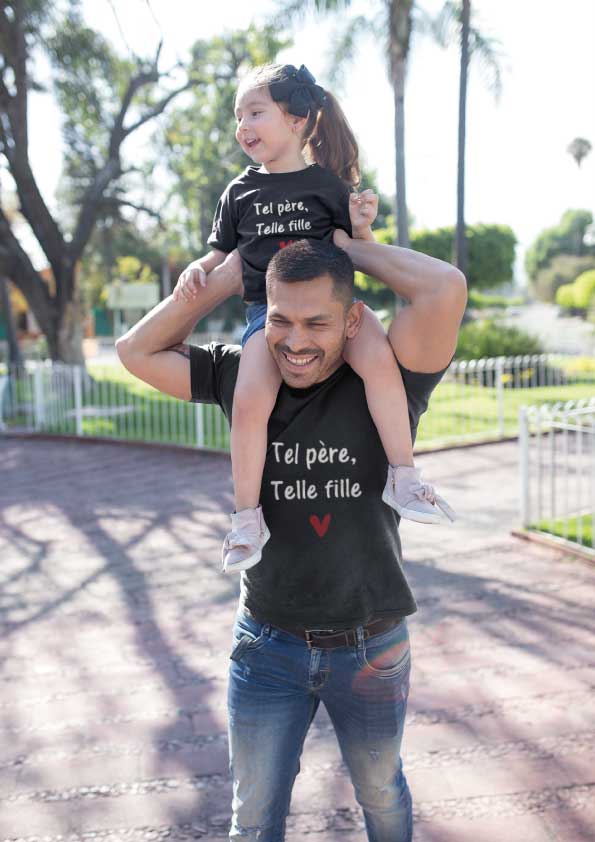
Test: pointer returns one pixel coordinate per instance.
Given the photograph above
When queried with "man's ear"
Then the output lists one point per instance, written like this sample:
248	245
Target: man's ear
354	319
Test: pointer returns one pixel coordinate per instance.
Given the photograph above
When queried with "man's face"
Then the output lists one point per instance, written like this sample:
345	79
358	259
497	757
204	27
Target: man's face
306	329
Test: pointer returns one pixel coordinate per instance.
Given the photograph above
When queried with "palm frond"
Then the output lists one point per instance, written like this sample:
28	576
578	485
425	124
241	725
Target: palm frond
484	49
289	11
446	25
488	54
344	43
422	22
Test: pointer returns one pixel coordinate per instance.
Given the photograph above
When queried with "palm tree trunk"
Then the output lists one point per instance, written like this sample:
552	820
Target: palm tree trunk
461	239
399	91
399	38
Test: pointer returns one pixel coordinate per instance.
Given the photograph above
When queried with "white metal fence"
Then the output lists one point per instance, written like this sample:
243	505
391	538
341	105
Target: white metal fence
105	403
476	400
557	467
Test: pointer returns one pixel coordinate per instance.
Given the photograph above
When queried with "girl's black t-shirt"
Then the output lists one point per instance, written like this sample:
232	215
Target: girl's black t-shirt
334	557
259	213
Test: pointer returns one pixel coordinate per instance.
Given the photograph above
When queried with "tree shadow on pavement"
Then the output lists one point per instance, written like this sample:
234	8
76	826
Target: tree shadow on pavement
113	594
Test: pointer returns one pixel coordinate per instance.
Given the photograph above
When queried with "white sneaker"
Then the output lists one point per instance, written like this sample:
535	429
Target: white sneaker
412	499
242	547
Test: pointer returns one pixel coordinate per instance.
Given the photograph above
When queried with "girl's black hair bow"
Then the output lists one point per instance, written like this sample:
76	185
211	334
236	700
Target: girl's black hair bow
299	90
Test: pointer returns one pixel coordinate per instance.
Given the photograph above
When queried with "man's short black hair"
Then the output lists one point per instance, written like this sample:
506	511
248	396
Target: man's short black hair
306	260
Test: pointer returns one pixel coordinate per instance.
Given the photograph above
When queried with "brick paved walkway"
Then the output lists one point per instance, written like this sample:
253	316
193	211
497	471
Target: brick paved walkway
116	630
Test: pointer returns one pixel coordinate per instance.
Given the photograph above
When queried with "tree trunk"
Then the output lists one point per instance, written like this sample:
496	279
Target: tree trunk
399	92
461	239
15	358
61	322
70	335
399	25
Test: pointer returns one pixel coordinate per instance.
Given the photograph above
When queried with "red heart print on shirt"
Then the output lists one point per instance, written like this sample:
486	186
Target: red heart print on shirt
283	244
320	526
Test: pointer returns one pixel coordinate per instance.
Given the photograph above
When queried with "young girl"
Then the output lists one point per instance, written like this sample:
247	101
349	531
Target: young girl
307	161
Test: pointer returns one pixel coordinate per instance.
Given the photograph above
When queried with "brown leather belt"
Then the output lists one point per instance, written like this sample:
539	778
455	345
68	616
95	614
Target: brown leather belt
334	638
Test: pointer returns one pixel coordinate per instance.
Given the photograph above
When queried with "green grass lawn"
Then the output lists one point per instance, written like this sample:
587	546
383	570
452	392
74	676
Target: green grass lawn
460	412
118	405
569	529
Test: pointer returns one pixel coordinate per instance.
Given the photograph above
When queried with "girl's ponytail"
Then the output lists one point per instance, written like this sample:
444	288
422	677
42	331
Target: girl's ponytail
331	142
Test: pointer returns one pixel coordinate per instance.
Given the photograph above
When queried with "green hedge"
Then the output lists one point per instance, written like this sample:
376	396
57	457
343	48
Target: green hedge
487	338
579	295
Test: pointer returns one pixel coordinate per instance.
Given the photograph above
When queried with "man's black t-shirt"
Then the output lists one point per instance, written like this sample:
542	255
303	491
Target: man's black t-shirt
334	556
259	213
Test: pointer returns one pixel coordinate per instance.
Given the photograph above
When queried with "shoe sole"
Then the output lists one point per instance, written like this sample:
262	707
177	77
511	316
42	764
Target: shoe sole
411	514
249	562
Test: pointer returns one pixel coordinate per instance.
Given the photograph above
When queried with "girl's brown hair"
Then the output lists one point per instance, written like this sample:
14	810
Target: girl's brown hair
328	139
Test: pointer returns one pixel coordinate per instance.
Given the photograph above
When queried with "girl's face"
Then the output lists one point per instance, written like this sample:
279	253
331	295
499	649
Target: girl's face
266	133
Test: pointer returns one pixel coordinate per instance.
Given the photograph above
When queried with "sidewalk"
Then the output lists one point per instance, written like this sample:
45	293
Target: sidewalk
115	640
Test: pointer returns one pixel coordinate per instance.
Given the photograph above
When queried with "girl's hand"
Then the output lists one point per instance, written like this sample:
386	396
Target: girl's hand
192	278
363	209
341	239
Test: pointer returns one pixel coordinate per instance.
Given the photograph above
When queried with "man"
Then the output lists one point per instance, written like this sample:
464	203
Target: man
322	616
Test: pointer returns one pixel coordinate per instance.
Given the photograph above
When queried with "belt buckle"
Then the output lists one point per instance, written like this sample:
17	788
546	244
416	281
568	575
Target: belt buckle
309	632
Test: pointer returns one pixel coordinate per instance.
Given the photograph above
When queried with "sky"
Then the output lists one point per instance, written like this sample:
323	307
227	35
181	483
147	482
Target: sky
518	170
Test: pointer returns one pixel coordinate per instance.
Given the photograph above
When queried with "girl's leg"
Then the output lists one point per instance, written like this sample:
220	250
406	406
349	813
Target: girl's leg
371	356
253	401
254	397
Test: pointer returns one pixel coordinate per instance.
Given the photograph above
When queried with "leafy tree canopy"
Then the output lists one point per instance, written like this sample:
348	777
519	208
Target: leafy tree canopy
568	237
491	257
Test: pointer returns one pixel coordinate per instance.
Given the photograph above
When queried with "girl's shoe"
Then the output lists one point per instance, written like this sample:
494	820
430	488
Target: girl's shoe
412	499
242	547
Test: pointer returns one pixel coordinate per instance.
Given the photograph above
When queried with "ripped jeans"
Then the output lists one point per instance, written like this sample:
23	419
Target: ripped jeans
275	686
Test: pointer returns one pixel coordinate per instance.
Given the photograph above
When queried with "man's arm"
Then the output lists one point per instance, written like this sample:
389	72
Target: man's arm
152	350
423	334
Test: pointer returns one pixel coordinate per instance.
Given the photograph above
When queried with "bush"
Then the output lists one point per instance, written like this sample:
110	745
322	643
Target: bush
578	298
579	366
565	296
584	290
490	339
491	250
563	269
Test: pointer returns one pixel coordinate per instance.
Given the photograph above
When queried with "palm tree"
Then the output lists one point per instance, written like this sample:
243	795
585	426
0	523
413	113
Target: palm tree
461	240
579	149
454	23
391	24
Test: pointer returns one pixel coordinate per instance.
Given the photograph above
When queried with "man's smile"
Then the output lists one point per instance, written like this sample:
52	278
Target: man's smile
299	361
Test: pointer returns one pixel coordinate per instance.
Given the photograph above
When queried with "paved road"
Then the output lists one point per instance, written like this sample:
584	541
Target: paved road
557	333
116	631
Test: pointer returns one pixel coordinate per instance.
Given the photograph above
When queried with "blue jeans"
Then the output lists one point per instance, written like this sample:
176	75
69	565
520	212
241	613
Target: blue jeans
275	686
256	316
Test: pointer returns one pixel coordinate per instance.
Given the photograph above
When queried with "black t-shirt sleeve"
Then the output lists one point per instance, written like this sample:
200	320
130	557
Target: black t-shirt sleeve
224	235
213	373
418	387
341	210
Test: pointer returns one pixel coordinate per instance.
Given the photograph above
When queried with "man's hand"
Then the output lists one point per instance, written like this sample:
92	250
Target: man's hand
363	210
192	278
